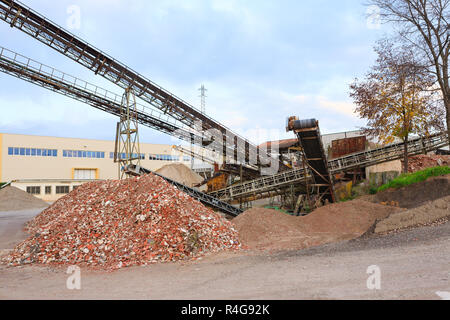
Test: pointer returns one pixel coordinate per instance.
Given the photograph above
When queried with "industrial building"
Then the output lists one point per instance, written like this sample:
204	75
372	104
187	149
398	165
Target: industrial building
50	167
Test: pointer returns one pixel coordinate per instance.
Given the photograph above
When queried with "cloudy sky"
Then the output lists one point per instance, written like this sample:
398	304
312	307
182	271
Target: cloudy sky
261	62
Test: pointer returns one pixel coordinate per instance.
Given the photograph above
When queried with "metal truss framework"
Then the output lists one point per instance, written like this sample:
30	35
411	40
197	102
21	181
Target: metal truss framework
37	26
127	150
355	160
310	140
47	77
196	194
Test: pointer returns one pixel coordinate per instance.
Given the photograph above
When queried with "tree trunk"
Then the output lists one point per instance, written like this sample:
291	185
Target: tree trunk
447	118
405	155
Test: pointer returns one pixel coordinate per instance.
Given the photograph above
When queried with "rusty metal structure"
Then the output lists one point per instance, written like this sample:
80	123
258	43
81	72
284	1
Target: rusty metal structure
165	112
24	68
204	198
310	140
127	149
343	147
25	19
269	186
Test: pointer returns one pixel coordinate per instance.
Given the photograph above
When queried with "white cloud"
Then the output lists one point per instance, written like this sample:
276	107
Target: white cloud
343	107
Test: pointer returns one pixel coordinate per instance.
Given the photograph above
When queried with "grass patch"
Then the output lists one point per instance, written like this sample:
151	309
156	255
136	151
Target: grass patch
411	178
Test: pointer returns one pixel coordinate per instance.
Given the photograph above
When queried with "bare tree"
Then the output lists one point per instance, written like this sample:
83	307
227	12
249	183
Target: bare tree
424	24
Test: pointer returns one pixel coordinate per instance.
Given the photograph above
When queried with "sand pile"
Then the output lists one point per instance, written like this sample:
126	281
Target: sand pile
421	162
270	229
180	173
12	198
428	214
416	194
113	224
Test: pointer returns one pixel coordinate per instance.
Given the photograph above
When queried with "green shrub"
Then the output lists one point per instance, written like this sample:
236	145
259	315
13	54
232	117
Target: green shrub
411	178
373	190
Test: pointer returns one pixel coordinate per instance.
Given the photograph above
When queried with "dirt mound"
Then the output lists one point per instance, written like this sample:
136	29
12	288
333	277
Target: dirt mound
270	229
180	173
416	194
113	224
261	228
433	211
12	198
421	162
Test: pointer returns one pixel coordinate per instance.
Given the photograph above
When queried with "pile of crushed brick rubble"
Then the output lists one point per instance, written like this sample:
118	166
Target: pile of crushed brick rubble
113	224
421	162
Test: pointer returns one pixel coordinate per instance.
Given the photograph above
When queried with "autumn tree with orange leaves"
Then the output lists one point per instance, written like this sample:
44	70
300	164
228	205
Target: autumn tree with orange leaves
397	97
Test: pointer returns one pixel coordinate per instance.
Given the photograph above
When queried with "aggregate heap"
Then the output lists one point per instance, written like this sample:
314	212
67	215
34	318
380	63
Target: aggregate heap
421	162
113	224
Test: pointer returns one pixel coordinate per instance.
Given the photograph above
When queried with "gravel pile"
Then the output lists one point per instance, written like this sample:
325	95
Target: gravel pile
14	199
114	224
269	229
432	213
421	162
180	173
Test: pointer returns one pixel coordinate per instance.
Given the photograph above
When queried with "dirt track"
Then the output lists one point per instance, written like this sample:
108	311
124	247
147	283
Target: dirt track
414	265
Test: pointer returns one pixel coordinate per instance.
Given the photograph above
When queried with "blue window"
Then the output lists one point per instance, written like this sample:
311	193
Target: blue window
80	154
38	152
103	155
33	152
22	151
65	153
98	155
55	153
28	151
10	151
84	154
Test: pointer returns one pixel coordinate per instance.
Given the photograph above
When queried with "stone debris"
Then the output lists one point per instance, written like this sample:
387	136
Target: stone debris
114	224
14	199
430	214
180	173
421	162
266	229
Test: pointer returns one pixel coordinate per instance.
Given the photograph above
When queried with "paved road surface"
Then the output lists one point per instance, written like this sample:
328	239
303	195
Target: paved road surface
414	265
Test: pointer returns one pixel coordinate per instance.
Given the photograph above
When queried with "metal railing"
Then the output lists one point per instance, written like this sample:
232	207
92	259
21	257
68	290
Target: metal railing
39	27
355	160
